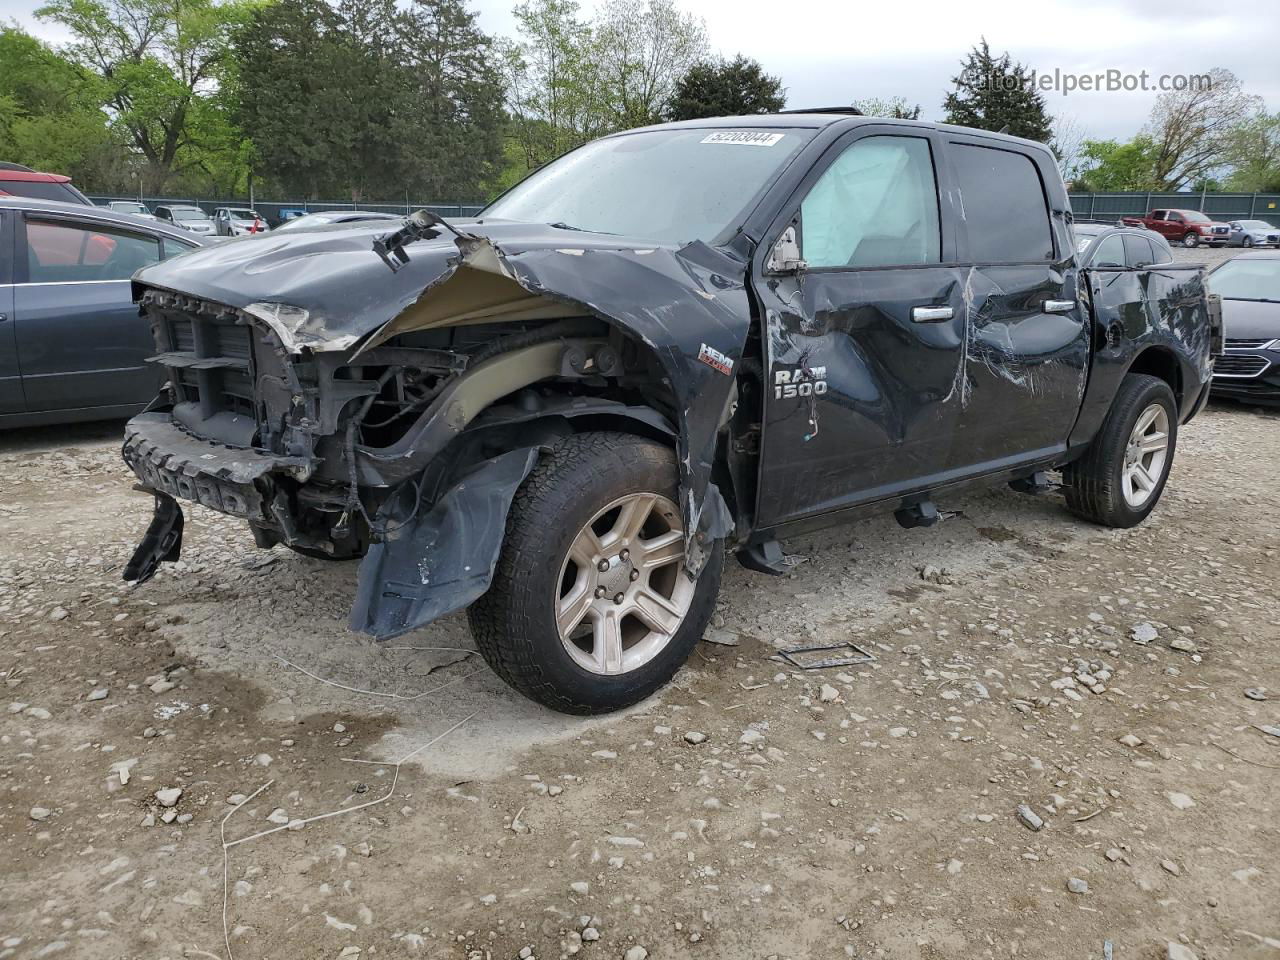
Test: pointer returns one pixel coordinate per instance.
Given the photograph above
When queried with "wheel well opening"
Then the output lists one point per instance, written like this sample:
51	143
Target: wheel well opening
1156	362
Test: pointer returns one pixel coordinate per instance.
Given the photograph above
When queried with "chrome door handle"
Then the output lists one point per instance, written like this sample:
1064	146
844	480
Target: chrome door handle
931	314
1058	306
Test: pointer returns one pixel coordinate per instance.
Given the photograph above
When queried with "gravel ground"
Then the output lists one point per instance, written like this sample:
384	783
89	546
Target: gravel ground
1031	670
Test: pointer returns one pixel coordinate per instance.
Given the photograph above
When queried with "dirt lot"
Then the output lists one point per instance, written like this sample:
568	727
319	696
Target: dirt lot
749	811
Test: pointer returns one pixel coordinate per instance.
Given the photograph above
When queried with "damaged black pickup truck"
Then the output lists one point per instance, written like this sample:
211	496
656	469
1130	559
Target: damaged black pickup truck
668	344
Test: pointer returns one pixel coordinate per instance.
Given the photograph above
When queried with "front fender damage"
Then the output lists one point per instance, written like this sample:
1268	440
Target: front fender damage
688	306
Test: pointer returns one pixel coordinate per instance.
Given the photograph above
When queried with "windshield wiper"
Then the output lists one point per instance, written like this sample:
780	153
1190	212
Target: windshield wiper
561	225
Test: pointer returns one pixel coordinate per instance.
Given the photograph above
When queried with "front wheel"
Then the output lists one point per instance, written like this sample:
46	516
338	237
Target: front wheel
591	608
1191	239
1247	242
1119	479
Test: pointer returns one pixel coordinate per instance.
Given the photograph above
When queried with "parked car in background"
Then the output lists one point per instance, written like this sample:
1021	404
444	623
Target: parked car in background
325	217
1249	285
238	221
1252	233
135	207
667	344
1106	245
19	181
1188	227
187	217
72	345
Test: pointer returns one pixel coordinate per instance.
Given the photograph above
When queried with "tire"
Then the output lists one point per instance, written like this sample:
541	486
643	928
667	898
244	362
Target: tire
580	484
1247	242
1191	239
1096	485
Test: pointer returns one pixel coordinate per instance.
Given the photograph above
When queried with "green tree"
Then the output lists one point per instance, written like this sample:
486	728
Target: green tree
726	88
1193	129
896	108
158	62
1253	151
50	116
996	93
642	49
1108	165
459	113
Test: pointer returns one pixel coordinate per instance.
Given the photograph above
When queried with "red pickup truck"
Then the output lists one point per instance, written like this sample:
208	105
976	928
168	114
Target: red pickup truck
1188	227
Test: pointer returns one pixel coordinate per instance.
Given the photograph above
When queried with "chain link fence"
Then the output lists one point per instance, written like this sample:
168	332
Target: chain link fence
277	211
1219	206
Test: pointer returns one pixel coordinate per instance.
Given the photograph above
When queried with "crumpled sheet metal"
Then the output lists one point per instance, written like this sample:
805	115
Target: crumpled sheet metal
442	558
327	289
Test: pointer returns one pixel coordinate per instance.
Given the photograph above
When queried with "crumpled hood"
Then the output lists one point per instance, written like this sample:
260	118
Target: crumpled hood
334	277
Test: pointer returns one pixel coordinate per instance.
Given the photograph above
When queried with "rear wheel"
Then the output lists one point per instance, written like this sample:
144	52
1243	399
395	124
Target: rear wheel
1191	239
591	608
1119	479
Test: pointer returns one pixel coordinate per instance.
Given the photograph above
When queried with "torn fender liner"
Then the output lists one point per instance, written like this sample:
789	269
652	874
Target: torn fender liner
435	562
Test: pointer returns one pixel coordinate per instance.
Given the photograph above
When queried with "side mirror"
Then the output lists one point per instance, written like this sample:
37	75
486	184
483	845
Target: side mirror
785	255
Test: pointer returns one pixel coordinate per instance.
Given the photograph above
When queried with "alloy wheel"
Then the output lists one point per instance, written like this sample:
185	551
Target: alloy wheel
1145	456
623	591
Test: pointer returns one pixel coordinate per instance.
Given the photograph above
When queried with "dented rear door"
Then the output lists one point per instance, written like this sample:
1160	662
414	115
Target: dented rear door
1027	350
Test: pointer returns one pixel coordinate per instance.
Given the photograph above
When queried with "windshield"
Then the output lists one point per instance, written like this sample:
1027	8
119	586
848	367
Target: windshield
1247	279
244	215
671	186
128	207
180	214
1192	217
1255	225
307	220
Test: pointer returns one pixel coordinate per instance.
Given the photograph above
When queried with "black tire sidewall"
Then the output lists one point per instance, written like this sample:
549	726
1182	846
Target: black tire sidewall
1118	433
526	608
1190	240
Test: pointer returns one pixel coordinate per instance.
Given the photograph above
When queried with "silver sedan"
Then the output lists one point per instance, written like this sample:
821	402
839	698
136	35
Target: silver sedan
1253	233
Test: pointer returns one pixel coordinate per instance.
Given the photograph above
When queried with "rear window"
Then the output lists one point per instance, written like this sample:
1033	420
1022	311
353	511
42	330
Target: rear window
1138	251
43	190
1005	210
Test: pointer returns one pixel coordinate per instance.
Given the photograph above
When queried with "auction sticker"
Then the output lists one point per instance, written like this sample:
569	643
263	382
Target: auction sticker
745	138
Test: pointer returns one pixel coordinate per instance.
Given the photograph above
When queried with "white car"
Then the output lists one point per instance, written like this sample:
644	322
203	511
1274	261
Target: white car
187	216
1253	233
238	221
130	206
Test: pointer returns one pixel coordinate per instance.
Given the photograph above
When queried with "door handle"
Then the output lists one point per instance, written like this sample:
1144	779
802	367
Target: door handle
931	314
1058	306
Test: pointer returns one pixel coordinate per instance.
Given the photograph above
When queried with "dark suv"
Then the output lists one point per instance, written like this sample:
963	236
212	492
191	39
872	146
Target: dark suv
667	344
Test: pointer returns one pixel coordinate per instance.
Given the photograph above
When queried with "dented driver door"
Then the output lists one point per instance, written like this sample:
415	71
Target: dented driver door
864	339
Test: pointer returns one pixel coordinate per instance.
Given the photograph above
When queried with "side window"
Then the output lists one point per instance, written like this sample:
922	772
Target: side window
1137	251
1175	217
66	253
1161	249
174	247
1110	252
1005	210
875	206
1157	215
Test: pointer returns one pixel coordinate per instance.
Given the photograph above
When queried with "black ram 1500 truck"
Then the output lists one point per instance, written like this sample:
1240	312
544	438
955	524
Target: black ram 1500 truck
669	343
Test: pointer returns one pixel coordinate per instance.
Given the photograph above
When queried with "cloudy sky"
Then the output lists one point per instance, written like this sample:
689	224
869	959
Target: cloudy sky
833	51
